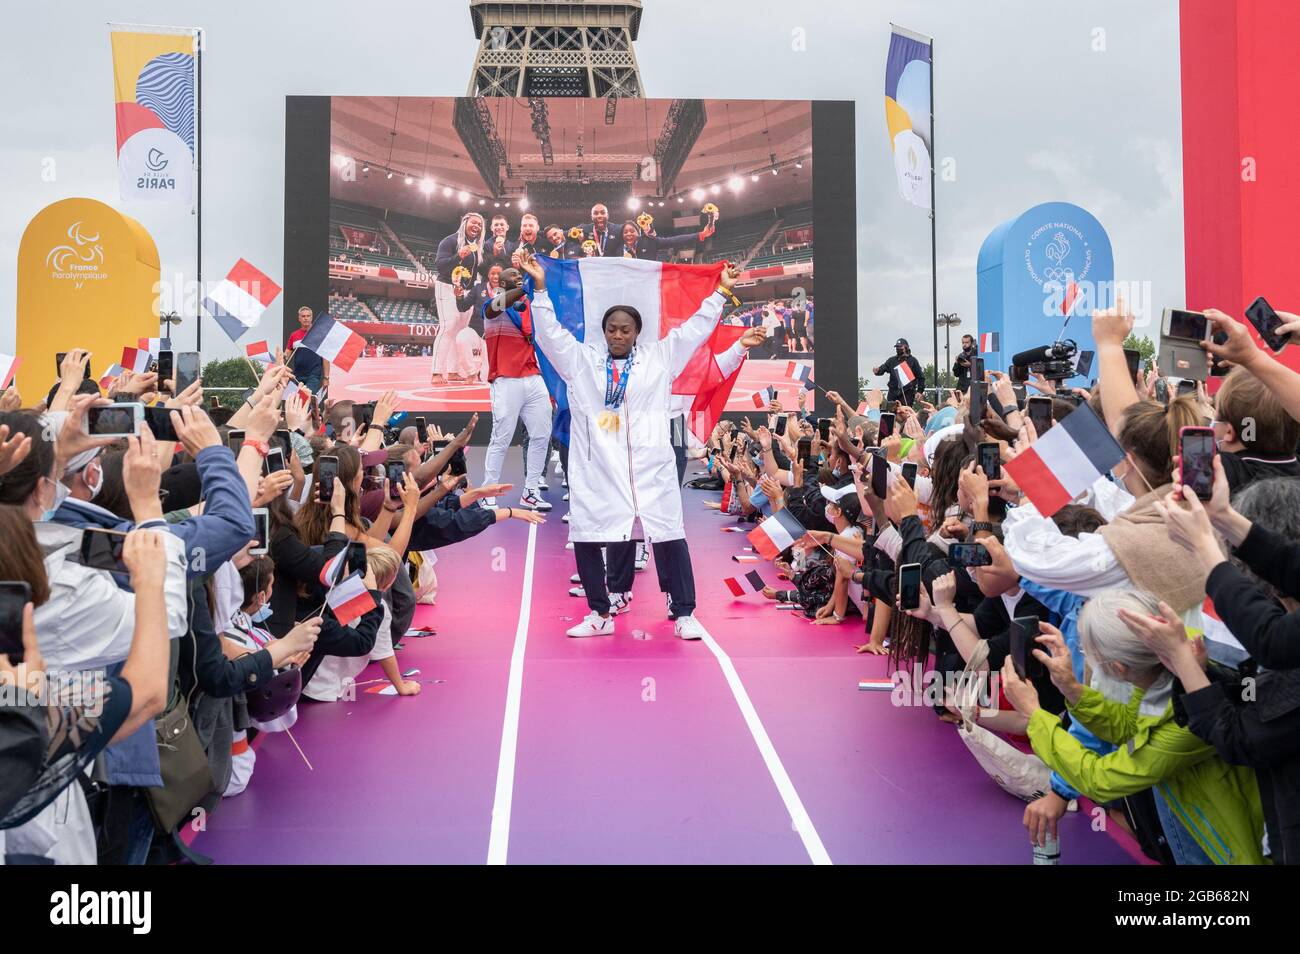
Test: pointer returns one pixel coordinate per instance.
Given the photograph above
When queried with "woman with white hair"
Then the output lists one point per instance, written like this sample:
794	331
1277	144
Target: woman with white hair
1130	703
461	249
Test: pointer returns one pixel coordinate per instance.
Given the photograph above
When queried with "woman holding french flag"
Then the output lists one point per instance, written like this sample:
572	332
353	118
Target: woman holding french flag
621	462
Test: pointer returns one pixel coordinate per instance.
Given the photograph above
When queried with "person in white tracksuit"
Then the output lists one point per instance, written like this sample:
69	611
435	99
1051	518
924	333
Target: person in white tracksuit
621	462
515	379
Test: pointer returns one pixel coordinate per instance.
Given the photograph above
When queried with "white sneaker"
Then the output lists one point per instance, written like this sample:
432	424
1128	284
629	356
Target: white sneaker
565	518
688	627
489	501
577	590
534	501
642	556
619	603
569	545
543	486
593	625
576	578
566	494
565	484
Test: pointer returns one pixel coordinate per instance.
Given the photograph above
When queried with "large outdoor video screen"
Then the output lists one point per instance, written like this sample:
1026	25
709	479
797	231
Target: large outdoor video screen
684	180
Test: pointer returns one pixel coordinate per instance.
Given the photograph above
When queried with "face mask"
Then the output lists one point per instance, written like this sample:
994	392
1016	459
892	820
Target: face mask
837	472
264	613
60	495
98	485
829	514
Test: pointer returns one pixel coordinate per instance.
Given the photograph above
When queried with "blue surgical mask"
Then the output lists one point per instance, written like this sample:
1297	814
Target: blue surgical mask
60	495
262	614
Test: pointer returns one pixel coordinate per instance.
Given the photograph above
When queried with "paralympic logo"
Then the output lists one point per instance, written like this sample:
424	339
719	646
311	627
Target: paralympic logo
79	261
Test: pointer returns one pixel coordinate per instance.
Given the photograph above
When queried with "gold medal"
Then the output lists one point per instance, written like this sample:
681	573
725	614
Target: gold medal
608	421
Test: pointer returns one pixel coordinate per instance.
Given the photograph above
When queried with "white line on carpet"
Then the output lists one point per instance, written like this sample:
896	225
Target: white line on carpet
499	840
803	824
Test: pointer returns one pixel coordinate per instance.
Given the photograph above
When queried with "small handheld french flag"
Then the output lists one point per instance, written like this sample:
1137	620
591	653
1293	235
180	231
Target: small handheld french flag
764	397
237	302
350	599
260	351
989	342
905	374
8	368
751	582
334	341
775	534
154	345
111	375
136	359
1066	461
330	572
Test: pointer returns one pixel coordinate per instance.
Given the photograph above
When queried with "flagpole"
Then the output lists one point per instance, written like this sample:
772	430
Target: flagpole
934	242
198	184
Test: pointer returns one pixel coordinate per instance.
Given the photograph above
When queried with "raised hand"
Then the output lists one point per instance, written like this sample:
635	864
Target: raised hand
13	450
533	268
195	429
730	275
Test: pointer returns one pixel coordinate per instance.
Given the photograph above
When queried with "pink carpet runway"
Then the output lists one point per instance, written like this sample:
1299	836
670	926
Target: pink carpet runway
527	747
409	377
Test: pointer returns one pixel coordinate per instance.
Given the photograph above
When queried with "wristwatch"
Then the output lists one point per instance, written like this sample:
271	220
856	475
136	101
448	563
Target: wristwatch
985	525
259	446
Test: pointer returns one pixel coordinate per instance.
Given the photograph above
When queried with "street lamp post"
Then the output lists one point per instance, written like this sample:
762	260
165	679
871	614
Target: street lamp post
949	321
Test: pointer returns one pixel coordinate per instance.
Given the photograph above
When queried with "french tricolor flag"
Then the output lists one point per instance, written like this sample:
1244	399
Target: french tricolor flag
989	342
154	345
8	368
136	359
775	534
666	296
239	300
112	374
905	374
1066	461
764	397
751	582
334	341
260	351
330	572
798	371
350	599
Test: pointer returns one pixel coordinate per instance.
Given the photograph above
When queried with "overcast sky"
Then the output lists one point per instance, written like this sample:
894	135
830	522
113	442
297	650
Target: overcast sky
1025	103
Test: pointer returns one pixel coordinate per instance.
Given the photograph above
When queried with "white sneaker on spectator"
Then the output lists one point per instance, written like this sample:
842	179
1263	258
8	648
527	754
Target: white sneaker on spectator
576	578
565	518
534	501
642	556
618	603
593	625
565	484
543	486
489	501
577	591
566	494
569	545
688	627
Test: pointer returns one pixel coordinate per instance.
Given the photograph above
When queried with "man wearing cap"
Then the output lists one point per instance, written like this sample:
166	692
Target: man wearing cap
899	389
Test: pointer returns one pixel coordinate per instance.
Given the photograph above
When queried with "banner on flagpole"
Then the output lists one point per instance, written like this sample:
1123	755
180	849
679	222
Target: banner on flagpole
907	112
155	83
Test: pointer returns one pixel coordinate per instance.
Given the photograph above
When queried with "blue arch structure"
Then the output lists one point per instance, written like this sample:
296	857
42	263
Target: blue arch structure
1051	259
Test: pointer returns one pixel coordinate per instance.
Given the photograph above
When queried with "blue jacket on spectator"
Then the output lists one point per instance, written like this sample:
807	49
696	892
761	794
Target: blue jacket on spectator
212	538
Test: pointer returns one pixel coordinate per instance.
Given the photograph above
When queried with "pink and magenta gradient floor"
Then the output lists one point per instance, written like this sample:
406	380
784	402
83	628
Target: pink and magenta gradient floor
630	749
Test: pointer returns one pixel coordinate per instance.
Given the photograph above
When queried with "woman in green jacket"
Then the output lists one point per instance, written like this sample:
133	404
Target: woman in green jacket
1130	704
